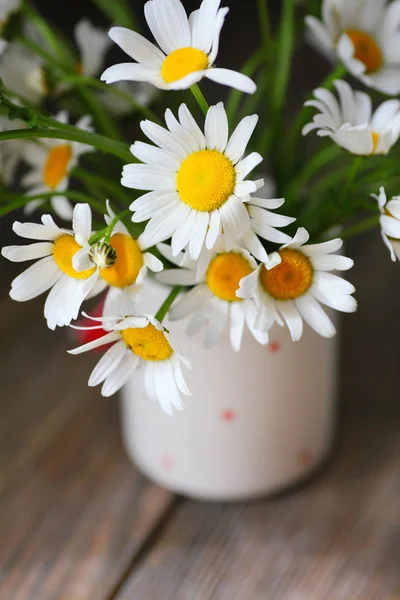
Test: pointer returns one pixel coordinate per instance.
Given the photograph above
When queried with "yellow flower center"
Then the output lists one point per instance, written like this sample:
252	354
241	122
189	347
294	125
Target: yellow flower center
148	342
205	180
181	62
291	278
366	49
128	263
224	274
63	251
56	167
375	140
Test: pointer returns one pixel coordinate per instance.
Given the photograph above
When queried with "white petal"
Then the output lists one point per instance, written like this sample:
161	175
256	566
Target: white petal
93	44
236	325
292	318
29	252
147	153
120	375
168	23
38	278
137	47
147	177
107	363
314	315
240	138
245	166
233	79
216	128
235	220
110	337
129	72
82	221
177	277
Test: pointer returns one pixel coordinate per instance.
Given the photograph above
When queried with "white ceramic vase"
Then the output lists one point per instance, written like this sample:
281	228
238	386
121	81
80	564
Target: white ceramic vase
258	421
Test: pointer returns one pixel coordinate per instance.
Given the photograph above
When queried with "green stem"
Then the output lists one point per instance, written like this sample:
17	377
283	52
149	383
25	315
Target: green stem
167	303
357	161
103	182
110	227
249	69
314	164
83	80
21	201
77	135
284	58
263	14
201	101
118	12
104	122
361	227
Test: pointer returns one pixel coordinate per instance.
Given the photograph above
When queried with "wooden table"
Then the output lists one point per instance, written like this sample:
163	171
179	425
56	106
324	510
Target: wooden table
78	522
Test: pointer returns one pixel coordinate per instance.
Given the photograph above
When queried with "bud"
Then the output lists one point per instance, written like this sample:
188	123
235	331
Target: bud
102	255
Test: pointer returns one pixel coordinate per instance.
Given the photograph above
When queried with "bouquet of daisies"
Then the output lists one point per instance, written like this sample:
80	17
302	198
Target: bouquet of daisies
241	216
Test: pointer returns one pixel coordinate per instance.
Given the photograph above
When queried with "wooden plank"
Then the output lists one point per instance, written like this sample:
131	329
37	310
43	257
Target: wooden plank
73	511
336	538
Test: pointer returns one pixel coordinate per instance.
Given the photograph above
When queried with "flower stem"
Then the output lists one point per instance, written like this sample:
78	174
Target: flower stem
110	227
160	316
354	167
201	101
75	135
85	81
20	201
360	227
284	57
263	14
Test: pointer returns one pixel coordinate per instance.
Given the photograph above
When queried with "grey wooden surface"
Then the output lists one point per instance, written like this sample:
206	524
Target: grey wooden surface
78	522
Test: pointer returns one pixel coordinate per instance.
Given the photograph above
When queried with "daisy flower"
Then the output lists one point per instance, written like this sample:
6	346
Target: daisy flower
187	49
350	123
7	9
125	275
140	343
23	73
197	180
93	43
390	222
212	302
294	289
63	267
51	162
363	35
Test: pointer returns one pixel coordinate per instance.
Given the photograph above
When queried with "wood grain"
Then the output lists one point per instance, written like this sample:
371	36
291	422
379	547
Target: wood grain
336	538
73	511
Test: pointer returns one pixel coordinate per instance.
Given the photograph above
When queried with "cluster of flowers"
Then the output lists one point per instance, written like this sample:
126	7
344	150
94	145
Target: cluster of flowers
202	213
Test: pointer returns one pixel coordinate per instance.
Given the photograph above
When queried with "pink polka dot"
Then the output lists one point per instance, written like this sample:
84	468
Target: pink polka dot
228	415
305	457
167	461
274	346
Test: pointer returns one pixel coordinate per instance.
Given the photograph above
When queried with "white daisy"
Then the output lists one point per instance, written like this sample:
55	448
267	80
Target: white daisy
140	342
7	9
350	122
294	288
64	267
390	222
23	73
197	180
364	36
212	302
189	47
52	161
93	43
125	276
